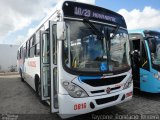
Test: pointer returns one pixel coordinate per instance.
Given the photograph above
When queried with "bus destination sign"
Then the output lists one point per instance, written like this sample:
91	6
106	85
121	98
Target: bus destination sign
81	10
88	13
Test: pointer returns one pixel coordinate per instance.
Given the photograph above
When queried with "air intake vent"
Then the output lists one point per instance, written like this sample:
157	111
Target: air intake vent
106	100
104	81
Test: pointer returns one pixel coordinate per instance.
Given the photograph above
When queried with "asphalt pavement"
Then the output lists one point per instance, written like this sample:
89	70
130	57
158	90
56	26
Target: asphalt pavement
18	101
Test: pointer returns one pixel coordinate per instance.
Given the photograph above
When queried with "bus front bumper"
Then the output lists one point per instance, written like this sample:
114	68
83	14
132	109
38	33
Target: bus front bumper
69	106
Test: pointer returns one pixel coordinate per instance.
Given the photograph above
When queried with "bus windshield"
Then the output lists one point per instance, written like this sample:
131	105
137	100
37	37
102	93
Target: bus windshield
154	45
85	50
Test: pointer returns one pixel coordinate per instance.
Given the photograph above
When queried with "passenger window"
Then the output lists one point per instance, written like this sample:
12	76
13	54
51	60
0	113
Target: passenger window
32	51
37	49
37	43
24	52
31	42
37	37
18	55
28	50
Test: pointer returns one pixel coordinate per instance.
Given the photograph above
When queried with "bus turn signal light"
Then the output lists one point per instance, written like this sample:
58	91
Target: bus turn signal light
129	94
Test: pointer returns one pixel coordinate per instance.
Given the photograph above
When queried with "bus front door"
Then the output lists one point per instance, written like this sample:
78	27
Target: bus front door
145	69
49	66
45	66
53	67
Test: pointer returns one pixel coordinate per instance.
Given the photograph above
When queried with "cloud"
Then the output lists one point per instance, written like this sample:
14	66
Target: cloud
148	18
17	14
87	1
20	39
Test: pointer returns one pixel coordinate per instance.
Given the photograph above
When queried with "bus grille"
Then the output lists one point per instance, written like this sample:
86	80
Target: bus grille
104	81
106	100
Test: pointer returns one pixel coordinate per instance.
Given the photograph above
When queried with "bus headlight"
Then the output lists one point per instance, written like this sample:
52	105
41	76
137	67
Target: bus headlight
128	83
74	90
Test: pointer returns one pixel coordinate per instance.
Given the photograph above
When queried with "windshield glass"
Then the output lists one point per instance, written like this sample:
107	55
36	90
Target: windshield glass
154	45
84	50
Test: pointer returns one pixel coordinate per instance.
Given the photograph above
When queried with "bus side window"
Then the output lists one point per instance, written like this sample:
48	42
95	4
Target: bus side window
22	52
37	49
27	49
31	49
37	46
144	58
18	55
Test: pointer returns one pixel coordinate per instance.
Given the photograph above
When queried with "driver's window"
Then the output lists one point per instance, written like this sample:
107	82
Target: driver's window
118	48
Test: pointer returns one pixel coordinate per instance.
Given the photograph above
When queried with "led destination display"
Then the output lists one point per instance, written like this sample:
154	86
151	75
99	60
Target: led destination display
80	10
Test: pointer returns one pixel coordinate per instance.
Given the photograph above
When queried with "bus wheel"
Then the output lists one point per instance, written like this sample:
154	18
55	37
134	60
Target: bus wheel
22	79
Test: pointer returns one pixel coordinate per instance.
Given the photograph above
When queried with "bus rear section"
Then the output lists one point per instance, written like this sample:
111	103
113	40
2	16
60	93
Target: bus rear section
84	62
145	60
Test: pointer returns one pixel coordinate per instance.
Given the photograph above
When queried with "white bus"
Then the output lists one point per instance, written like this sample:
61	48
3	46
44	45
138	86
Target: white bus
78	59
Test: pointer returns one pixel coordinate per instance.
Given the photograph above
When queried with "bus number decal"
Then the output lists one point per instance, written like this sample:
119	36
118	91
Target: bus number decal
82	12
80	106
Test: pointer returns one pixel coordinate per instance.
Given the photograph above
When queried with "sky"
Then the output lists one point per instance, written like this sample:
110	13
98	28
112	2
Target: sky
19	18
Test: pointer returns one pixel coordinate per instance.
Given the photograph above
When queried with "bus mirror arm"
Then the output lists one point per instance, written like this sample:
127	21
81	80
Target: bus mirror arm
61	31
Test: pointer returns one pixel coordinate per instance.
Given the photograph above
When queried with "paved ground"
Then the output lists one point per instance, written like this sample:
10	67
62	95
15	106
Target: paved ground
19	101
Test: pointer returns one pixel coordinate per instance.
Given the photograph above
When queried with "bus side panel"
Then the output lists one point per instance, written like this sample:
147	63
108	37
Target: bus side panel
32	67
148	83
144	80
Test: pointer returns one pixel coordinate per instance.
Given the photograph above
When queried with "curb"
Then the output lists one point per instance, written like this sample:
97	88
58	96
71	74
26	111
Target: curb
9	73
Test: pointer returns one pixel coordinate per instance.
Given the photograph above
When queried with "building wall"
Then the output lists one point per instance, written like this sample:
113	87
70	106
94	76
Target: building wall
8	57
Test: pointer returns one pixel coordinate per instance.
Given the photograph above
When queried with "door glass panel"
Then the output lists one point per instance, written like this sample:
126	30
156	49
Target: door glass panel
46	82
144	59
45	48
55	87
54	27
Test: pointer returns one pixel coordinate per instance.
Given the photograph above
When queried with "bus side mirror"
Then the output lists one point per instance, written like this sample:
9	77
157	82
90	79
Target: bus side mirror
61	31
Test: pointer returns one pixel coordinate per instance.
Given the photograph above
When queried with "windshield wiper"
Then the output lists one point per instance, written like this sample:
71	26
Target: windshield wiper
95	30
115	31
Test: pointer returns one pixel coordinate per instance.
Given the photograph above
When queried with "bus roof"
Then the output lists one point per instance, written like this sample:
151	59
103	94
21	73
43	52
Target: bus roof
141	31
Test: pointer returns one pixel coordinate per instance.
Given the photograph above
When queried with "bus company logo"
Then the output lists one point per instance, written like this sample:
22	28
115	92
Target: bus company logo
32	63
108	90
